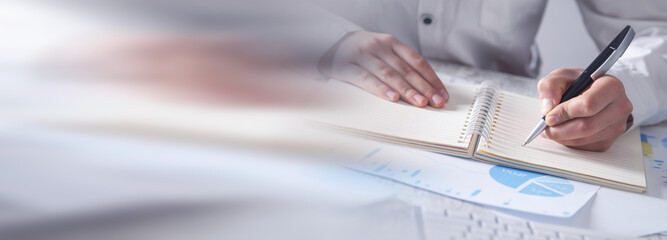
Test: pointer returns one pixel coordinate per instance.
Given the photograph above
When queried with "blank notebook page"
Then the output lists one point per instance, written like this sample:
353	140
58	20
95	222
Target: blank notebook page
350	108
517	118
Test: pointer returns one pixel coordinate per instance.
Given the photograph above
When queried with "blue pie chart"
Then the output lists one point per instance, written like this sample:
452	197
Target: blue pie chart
531	183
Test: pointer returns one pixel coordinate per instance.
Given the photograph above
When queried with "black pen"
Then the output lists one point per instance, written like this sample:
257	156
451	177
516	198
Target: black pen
597	69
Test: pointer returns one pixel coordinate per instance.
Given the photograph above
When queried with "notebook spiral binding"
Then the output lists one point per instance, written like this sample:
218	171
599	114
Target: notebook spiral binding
483	113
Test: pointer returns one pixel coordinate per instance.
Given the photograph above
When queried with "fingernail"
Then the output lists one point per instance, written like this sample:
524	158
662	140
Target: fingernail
437	99
419	98
547	105
392	95
553	120
543	135
445	95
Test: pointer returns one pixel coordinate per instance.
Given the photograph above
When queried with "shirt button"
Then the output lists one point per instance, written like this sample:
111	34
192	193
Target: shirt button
427	19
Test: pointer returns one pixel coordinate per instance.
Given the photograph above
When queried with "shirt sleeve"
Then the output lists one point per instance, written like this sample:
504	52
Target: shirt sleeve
303	28
318	30
643	67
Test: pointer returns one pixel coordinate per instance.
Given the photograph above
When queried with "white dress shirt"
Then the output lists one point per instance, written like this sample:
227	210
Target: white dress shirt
500	35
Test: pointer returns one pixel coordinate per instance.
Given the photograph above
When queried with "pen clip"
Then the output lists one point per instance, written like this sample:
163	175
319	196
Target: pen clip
618	46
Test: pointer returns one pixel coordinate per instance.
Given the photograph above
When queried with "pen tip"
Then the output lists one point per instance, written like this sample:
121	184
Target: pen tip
523	145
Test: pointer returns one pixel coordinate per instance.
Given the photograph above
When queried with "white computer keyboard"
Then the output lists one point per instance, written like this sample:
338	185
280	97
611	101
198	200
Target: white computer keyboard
451	224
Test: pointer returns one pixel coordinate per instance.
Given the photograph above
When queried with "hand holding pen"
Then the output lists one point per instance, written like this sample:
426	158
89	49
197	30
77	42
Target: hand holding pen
591	121
590	112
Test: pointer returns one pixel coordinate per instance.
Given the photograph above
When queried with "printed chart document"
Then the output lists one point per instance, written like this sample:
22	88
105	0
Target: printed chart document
480	122
467	180
654	147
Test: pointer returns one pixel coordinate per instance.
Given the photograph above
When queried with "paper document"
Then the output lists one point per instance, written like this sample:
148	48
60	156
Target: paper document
654	147
468	179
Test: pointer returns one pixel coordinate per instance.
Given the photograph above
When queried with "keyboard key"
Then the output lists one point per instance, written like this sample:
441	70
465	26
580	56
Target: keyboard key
509	235
484	231
478	237
571	237
491	225
512	222
457	214
519	228
529	237
459	222
595	238
546	234
443	233
484	217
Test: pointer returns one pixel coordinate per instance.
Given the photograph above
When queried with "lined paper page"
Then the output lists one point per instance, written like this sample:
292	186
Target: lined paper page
351	108
518	115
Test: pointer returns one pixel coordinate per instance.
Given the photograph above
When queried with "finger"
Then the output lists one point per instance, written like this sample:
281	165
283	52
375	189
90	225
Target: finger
586	126
363	79
420	65
388	75
552	87
610	133
414	79
601	93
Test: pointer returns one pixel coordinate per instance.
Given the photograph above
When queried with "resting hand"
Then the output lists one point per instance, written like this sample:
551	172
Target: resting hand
591	121
385	67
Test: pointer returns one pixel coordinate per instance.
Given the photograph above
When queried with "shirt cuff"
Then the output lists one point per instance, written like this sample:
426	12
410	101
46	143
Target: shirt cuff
640	90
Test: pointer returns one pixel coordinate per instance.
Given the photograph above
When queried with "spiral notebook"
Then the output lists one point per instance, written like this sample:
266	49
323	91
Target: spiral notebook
480	122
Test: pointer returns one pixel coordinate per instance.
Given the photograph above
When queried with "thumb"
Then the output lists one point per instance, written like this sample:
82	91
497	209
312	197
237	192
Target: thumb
552	87
558	115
